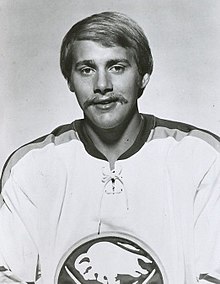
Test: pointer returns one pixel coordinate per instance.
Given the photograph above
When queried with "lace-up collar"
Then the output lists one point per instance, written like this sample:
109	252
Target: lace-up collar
114	200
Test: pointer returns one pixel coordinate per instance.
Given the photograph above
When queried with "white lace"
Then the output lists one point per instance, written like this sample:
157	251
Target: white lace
110	177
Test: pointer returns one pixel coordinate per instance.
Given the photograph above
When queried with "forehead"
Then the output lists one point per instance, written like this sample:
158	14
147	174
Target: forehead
90	50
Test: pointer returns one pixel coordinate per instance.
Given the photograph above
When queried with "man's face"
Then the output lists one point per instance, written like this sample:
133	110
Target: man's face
106	82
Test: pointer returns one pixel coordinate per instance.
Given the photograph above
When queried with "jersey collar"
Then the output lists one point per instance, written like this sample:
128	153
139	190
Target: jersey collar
147	125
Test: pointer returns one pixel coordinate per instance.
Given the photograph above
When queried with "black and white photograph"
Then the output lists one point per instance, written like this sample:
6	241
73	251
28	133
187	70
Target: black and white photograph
110	142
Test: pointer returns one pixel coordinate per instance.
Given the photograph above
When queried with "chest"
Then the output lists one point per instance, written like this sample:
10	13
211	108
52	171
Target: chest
140	198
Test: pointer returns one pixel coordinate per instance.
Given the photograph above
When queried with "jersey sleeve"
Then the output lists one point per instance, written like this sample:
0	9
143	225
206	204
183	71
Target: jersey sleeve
207	225
18	215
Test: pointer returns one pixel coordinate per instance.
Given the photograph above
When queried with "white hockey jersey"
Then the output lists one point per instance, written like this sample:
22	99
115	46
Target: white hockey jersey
65	217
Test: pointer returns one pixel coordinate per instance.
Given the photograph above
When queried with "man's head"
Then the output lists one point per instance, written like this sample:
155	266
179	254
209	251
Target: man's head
109	29
107	62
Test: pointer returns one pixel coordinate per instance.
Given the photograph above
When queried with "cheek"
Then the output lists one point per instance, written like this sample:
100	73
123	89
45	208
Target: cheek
82	90
133	86
126	83
78	83
84	87
138	81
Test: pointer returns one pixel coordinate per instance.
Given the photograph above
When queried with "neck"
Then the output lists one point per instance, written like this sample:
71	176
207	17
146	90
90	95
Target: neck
112	143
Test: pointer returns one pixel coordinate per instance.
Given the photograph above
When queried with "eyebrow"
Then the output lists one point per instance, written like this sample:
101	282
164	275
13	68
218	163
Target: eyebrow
108	63
118	60
85	62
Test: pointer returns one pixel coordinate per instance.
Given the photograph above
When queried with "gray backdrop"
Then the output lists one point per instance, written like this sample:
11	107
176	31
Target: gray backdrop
184	36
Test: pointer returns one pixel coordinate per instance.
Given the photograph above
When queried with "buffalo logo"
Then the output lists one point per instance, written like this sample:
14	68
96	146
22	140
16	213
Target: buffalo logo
110	260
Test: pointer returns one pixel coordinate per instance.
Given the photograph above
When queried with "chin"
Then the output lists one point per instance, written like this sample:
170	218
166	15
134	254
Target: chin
106	125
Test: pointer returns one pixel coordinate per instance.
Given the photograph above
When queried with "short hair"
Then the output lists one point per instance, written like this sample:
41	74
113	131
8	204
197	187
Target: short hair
109	29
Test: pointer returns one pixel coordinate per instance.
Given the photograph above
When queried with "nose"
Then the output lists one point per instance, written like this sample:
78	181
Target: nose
103	83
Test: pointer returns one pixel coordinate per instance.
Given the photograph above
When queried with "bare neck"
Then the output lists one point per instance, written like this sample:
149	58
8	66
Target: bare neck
112	143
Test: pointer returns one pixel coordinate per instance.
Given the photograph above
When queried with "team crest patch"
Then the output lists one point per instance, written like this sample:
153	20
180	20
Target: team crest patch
110	259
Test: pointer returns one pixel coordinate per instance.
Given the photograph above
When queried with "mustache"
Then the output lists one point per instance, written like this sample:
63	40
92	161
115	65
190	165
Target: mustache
112	97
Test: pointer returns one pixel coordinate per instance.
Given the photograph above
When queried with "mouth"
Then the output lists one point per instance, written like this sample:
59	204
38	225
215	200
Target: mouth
105	100
105	104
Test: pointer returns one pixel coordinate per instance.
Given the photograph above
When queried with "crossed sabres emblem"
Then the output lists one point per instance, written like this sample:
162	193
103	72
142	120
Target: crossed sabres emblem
110	262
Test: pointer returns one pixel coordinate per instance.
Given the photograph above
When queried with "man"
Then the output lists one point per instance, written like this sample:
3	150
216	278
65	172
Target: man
119	196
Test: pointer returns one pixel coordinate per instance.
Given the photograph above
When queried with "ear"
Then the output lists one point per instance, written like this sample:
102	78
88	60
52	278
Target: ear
70	85
145	80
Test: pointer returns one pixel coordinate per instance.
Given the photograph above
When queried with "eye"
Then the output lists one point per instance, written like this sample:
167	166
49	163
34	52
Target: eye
87	71
117	69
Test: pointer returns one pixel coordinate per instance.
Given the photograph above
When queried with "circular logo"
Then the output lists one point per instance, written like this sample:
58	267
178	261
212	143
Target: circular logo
110	259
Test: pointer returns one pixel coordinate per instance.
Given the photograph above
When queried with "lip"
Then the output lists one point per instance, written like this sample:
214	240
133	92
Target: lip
105	105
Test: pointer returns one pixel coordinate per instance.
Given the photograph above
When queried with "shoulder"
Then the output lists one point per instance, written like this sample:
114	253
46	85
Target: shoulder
163	128
59	136
192	151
